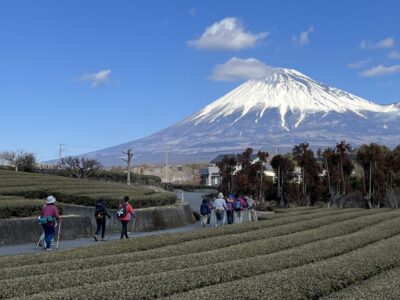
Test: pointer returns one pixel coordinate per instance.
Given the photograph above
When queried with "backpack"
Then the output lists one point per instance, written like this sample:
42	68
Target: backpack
250	203
99	213
204	209
121	212
229	205
238	205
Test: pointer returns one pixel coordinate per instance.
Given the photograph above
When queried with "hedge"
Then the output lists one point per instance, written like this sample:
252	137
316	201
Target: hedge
255	277
116	269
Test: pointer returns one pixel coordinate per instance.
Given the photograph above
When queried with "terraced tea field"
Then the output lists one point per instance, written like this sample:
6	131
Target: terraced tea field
79	191
298	254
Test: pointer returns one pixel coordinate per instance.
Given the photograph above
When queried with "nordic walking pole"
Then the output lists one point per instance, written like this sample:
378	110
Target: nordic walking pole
37	244
58	235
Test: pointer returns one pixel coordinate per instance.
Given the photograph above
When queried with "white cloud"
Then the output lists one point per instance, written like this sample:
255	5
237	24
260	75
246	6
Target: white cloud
385	43
381	71
98	78
359	64
303	38
241	69
227	34
394	54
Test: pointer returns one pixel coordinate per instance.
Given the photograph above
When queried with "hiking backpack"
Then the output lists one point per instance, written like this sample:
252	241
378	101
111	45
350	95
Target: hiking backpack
204	209
99	213
121	212
238	205
229	205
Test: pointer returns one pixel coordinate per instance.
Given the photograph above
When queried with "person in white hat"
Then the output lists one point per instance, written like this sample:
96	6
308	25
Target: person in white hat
48	217
220	207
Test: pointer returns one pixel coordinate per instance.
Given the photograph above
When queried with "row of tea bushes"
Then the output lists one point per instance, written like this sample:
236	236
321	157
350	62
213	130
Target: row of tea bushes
310	281
383	286
189	248
16	207
79	191
292	224
306	273
224	258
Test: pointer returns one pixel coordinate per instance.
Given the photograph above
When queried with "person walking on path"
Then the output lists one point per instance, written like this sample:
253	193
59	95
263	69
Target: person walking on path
100	213
48	217
220	207
239	205
125	214
205	212
210	218
230	202
251	208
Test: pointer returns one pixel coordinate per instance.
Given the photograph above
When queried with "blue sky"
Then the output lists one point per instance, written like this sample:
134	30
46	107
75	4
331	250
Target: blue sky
93	74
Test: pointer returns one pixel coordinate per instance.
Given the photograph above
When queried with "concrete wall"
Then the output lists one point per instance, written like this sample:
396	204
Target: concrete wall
147	219
27	230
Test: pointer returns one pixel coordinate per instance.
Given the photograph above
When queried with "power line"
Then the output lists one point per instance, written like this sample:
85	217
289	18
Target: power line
83	147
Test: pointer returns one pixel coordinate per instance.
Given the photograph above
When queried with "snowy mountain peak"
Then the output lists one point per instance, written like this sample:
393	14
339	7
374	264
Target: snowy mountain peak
286	90
283	109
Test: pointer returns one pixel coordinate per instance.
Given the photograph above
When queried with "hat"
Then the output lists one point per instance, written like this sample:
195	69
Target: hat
51	199
220	195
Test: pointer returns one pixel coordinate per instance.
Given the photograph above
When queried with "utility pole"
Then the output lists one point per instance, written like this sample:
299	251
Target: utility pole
129	154
60	151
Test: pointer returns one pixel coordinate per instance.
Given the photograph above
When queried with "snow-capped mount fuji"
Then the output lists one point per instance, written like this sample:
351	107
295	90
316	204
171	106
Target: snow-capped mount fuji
287	90
281	110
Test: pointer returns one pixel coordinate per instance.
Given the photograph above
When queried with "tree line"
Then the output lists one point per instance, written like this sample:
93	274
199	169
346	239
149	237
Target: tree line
342	176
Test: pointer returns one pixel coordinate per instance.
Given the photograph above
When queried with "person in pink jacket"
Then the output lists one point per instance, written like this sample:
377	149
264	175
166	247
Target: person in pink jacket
125	213
48	217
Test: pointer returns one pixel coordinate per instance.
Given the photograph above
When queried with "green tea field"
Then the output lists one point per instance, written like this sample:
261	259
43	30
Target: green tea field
79	191
299	253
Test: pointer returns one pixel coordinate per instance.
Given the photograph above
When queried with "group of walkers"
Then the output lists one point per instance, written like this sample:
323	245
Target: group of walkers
230	210
50	220
213	213
125	213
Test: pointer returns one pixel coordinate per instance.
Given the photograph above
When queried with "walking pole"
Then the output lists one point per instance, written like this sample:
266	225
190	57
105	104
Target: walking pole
58	235
133	223
37	244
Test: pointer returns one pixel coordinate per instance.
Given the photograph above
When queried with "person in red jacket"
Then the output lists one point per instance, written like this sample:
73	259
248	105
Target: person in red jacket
50	214
125	213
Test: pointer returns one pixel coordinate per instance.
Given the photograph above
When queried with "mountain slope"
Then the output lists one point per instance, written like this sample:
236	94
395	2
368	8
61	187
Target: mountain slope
283	109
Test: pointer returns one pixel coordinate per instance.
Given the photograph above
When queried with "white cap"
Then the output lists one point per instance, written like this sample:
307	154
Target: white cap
220	195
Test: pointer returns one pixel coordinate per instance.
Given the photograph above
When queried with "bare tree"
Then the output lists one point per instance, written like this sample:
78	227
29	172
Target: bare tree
11	157
80	167
129	155
19	160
